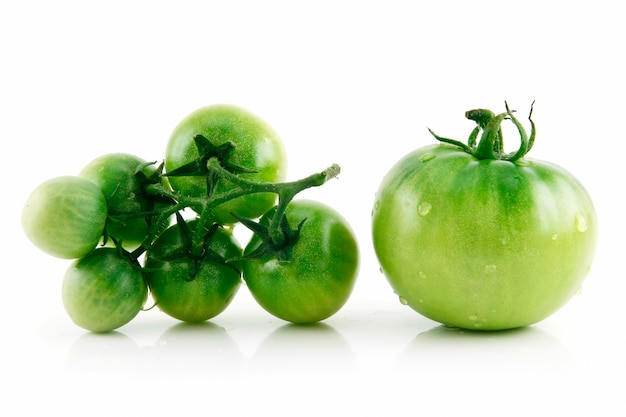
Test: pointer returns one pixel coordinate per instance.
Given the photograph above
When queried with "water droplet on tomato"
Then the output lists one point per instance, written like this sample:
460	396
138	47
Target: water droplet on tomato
581	223
427	157
555	237
490	269
422	274
423	209
403	300
376	205
473	317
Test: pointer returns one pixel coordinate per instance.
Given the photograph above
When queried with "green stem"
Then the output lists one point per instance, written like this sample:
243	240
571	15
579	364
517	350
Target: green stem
489	139
286	191
490	145
156	227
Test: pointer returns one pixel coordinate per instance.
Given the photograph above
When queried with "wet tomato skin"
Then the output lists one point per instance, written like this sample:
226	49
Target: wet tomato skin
482	244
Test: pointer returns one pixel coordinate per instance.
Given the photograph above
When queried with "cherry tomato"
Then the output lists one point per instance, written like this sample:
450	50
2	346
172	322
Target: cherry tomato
315	277
65	216
193	287
258	154
120	177
103	291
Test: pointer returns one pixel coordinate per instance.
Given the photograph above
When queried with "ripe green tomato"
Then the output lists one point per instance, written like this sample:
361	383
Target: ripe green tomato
482	244
258	148
205	295
115	175
65	216
318	278
103	291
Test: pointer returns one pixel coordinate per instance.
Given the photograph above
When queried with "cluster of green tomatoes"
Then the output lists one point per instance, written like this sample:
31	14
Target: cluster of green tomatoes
466	234
138	230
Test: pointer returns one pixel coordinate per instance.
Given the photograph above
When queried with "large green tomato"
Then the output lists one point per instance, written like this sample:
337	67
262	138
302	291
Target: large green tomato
258	148
482	243
317	277
65	216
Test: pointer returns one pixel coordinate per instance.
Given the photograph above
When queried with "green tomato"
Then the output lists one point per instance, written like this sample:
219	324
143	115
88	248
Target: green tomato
115	175
485	244
65	216
103	291
258	148
319	275
192	288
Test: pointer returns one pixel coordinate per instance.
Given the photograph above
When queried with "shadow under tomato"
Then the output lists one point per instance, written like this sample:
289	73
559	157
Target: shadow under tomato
447	350
201	349
104	353
303	349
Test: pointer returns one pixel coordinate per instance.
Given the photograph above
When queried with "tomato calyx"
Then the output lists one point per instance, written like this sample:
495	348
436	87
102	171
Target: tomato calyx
156	206
278	239
491	143
198	167
193	251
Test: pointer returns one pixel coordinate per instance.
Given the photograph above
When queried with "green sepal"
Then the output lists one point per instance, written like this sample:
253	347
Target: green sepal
197	253
206	151
280	247
491	143
198	167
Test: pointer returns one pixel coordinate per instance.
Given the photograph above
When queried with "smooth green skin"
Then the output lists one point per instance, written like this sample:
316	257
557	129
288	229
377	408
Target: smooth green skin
114	174
258	148
484	245
103	291
320	276
65	216
211	290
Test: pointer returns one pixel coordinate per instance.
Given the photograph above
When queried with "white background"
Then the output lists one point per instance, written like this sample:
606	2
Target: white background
356	83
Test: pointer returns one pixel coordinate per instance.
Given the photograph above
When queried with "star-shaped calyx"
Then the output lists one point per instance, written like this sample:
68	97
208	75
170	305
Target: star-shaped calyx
198	167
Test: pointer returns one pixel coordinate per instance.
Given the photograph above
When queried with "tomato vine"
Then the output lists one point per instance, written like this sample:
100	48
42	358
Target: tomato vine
215	169
167	229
